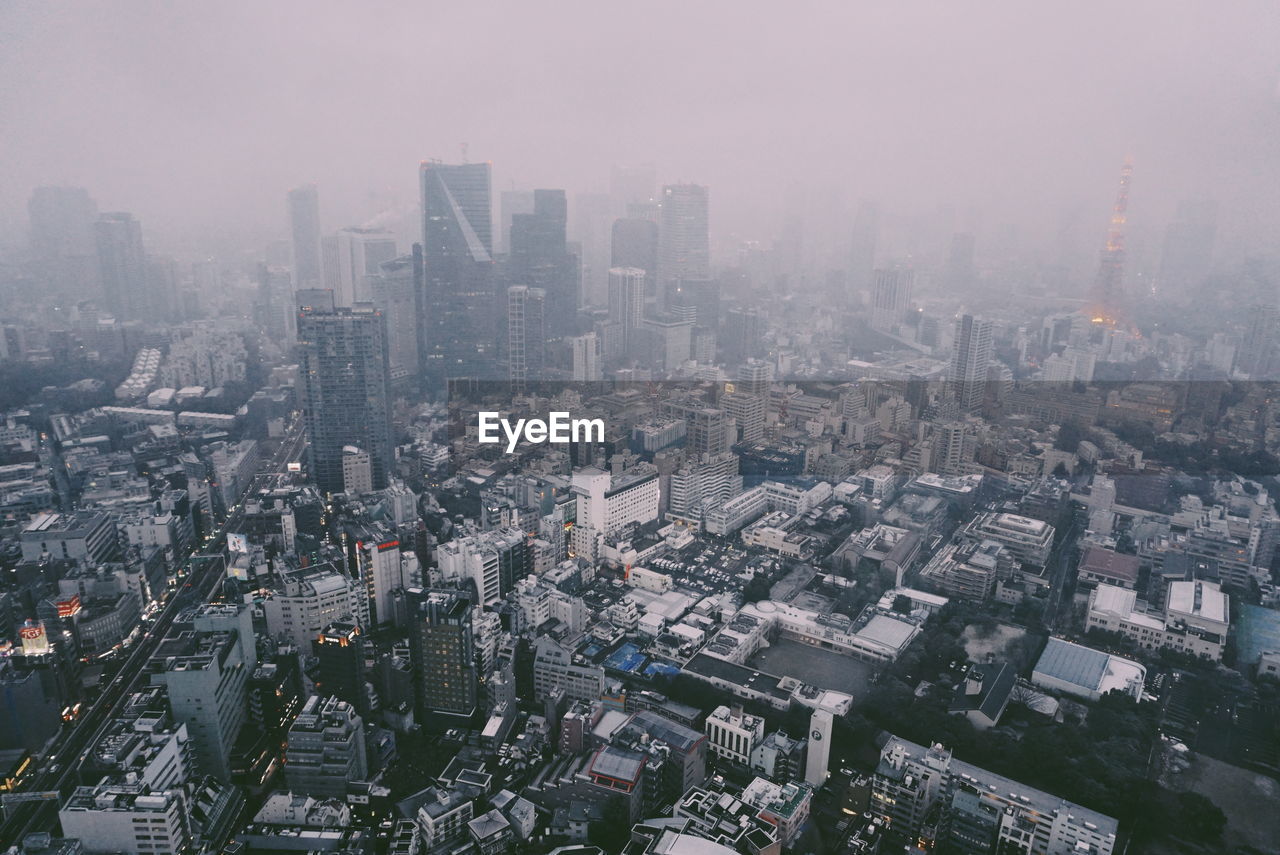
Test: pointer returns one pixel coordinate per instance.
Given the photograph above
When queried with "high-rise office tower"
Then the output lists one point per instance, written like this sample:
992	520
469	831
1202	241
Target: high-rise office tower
274	308
340	664
586	357
626	304
970	358
589	229
526	335
743	334
1188	246
304	228
1260	350
63	239
162	285
394	291
540	259
510	203
346	401
959	272
634	243
442	649
891	298
459	310
122	267
697	300
753	378
205	666
361	253
632	185
684	241
862	247
326	749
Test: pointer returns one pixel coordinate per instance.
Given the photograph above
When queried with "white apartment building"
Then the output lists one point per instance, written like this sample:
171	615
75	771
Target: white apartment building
733	735
1028	540
607	503
1195	619
127	818
307	601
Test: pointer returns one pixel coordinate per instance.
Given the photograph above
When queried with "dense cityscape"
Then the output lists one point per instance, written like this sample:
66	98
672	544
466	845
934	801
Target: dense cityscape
539	520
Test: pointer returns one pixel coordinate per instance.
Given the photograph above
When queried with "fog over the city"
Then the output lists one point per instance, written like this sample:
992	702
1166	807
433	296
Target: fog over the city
198	117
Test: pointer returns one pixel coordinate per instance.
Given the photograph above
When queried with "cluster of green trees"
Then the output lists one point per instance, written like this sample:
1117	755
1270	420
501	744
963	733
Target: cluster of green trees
21	382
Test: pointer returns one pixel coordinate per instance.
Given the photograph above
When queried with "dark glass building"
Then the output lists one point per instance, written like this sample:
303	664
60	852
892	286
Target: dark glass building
442	648
458	308
344	376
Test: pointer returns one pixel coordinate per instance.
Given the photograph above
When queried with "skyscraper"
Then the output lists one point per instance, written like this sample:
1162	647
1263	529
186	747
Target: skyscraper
1188	246
891	298
361	253
458	311
526	335
510	203
122	266
340	664
630	185
684	245
345	370
395	293
540	259
304	227
442	649
326	749
635	244
586	357
626	304
862	248
63	239
959	271
970	358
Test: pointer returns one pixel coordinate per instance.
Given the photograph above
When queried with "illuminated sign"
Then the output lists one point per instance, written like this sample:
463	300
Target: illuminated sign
69	608
34	641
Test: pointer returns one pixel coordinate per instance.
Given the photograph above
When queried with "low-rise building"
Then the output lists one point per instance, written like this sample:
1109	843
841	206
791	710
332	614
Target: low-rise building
914	790
1082	672
1195	619
733	735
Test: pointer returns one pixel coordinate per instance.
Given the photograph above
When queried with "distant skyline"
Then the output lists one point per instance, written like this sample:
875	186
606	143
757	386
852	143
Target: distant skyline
198	120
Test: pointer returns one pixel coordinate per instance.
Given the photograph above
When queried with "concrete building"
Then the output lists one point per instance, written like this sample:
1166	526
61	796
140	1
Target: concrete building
914	784
819	753
205	667
442	648
85	537
1082	672
1028	540
1195	619
556	672
306	600
127	818
733	735
326	748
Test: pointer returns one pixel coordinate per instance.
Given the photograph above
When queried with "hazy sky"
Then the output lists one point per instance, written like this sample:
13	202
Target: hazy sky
198	117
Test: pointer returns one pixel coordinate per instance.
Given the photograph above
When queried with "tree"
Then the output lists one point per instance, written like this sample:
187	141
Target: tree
902	604
614	829
757	589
